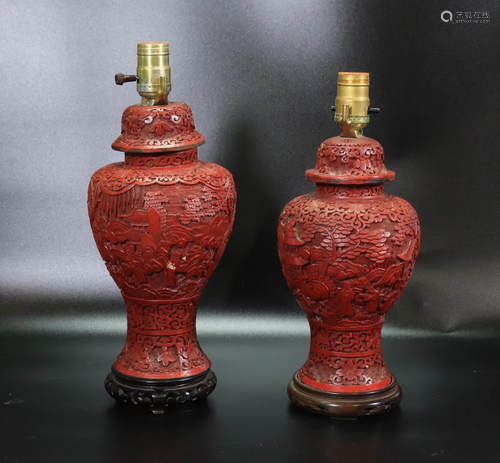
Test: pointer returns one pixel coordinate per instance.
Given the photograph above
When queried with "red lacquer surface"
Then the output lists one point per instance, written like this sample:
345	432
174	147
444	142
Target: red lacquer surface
161	221
347	251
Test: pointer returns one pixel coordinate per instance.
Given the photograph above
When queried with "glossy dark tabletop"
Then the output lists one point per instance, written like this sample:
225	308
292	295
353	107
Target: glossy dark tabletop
55	408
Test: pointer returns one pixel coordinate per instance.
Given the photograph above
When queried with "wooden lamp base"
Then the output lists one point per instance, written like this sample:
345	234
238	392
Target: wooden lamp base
159	394
344	405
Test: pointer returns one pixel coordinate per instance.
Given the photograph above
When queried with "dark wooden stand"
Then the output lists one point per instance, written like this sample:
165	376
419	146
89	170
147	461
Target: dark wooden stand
344	405
159	394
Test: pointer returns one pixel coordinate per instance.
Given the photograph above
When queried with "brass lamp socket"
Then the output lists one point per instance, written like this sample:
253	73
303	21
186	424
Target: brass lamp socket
352	103
153	72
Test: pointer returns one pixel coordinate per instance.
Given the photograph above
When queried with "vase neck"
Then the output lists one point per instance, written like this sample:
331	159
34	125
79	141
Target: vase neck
349	191
162	159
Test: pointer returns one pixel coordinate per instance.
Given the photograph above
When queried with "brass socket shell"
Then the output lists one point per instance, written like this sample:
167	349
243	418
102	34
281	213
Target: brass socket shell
153	72
352	102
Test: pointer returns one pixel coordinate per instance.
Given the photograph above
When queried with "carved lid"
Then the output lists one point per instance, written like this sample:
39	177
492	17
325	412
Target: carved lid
345	160
155	129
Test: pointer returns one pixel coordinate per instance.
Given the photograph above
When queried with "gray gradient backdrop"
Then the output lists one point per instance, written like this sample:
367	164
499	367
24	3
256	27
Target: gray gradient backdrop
260	77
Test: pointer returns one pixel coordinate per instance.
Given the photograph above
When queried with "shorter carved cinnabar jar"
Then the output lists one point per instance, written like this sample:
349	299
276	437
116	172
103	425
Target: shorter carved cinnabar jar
347	252
161	221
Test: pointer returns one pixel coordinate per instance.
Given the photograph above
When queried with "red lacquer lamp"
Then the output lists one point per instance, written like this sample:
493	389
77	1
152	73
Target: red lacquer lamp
161	220
347	252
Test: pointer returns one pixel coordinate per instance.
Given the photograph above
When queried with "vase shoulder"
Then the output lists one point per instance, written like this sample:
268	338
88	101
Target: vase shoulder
119	177
330	205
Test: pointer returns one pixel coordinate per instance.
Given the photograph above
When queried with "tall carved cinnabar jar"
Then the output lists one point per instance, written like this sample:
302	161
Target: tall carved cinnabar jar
347	251
161	221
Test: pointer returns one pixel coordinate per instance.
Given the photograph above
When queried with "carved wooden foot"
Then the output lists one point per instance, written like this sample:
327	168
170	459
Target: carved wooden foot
344	405
157	395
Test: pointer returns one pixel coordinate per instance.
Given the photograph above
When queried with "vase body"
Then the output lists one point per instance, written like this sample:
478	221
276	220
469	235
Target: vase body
347	251
161	221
